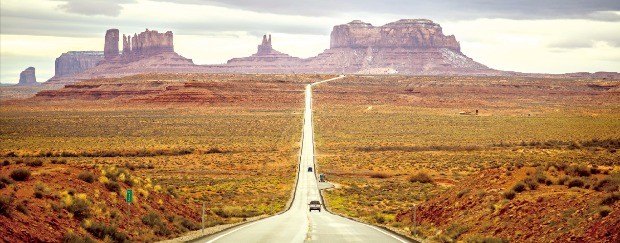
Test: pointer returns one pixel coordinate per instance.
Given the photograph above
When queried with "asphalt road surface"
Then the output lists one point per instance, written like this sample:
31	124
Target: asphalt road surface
298	224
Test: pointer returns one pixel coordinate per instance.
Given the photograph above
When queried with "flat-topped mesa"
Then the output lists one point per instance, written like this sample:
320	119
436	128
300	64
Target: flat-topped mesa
110	49
405	33
265	46
76	61
149	42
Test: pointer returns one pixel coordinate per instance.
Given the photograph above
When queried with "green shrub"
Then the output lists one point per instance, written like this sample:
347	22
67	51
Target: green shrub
35	163
87	176
578	170
608	184
510	195
379	219
421	177
56	161
41	190
172	191
101	231
541	177
188	224
153	220
6	163
20	174
379	175
234	211
112	186
563	180
22	207
519	187
611	198
182	223
462	193
6	180
455	230
71	237
6	205
480	239
604	211
80	208
576	182
531	183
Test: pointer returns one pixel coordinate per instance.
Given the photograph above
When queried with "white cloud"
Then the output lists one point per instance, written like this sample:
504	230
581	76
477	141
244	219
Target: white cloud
541	46
35	30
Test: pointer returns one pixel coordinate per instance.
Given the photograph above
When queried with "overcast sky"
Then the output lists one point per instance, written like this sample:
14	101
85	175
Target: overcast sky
543	36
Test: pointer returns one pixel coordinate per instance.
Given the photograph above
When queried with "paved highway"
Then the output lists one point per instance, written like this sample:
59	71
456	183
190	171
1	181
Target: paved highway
298	224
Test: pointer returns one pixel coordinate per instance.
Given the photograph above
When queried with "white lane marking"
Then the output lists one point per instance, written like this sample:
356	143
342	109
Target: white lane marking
232	231
386	233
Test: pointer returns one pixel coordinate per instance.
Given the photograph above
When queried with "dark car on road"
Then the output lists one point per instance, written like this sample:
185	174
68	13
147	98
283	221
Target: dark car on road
309	169
315	205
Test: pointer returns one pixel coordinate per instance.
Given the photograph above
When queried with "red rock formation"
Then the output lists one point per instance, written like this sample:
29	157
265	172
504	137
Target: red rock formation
410	46
265	46
110	49
266	60
149	42
27	77
126	45
405	33
73	62
407	46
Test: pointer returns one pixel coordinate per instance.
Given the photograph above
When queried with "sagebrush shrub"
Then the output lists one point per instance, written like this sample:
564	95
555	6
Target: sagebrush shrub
421	177
21	174
87	176
519	187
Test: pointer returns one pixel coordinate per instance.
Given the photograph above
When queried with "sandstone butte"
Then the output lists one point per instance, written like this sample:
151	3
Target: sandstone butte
27	77
407	46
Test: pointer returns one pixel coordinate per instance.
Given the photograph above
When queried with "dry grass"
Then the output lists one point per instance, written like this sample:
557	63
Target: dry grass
377	125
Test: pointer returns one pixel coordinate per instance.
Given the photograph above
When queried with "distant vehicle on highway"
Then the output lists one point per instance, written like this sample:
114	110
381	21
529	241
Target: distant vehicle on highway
309	169
315	205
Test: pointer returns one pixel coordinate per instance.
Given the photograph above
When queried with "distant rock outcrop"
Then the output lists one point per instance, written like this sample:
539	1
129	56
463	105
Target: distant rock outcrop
266	60
73	62
110	49
405	33
407	46
149	42
27	77
149	51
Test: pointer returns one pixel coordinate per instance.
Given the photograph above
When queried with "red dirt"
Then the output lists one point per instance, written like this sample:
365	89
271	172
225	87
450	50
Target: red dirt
44	224
552	213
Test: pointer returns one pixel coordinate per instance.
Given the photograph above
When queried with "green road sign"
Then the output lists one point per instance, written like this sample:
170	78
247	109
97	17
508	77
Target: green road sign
129	197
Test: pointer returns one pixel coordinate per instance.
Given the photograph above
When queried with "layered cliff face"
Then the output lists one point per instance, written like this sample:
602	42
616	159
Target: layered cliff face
149	51
405	33
73	62
407	46
27	77
149	42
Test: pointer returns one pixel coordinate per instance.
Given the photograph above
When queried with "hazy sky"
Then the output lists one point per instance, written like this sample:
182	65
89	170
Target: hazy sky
550	36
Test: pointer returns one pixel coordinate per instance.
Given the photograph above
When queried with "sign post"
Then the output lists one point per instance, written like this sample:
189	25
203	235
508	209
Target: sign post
203	217
129	199
415	231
